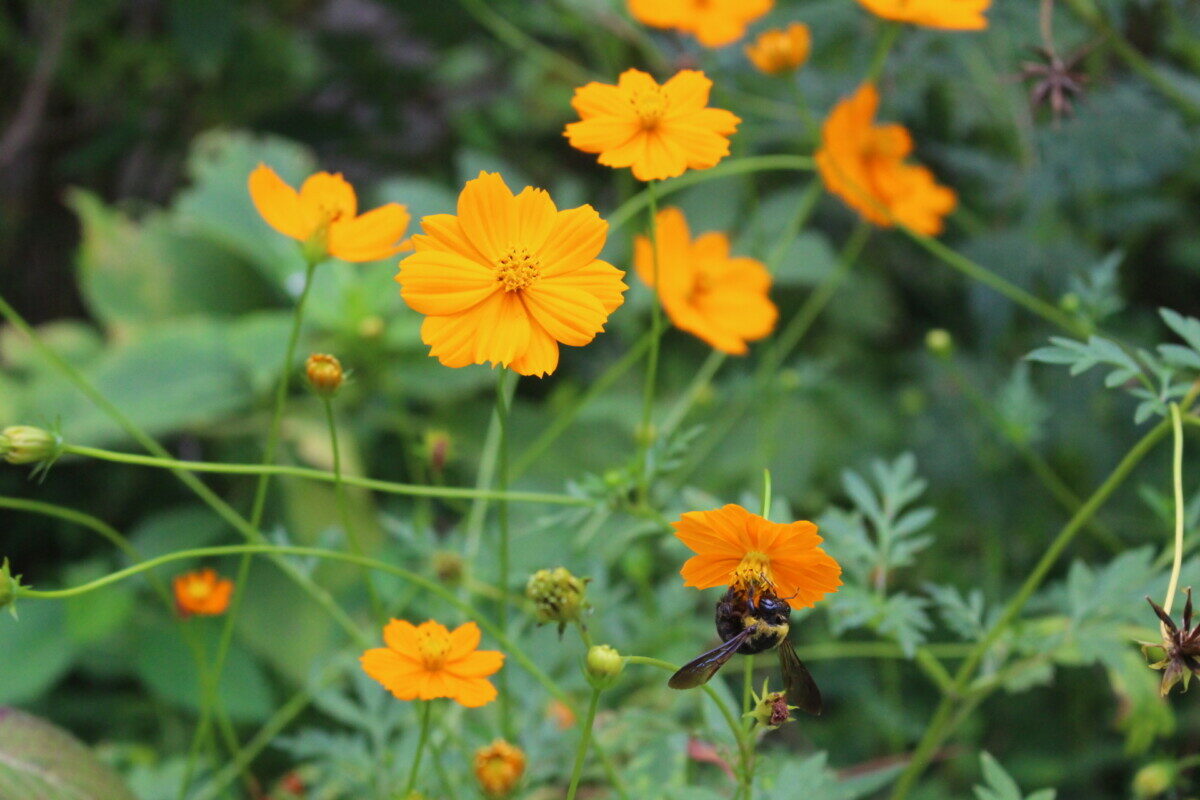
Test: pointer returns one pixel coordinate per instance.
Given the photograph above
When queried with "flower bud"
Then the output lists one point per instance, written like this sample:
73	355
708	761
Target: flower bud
498	767
324	374
437	449
557	595
776	52
26	444
770	710
939	342
448	566
604	665
8	588
1153	780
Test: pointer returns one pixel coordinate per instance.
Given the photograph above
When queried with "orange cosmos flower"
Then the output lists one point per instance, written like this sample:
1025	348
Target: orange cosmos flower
778	51
733	546
957	15
202	592
713	22
509	279
324	216
720	298
863	163
659	131
425	661
498	767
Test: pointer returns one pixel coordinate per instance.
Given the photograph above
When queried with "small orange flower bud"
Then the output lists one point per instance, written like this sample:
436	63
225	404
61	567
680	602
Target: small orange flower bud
202	592
324	374
778	51
498	767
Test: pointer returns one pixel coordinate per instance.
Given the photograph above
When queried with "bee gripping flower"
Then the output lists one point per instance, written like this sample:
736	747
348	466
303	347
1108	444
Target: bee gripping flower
509	278
1180	647
324	373
324	217
713	22
958	15
658	131
427	661
202	592
499	767
707	292
776	51
736	547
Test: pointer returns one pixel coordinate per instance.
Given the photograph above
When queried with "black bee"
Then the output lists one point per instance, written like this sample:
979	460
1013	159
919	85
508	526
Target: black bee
750	625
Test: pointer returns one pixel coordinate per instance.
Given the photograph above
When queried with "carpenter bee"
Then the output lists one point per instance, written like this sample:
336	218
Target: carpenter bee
753	621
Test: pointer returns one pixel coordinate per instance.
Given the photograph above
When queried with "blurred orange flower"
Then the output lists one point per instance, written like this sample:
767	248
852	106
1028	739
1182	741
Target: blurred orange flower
719	298
736	547
713	22
780	50
202	592
509	278
425	661
863	163
498	767
659	131
957	15
324	216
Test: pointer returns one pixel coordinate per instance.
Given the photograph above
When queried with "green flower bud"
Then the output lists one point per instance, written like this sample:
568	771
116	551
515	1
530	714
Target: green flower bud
939	342
9	584
770	710
557	595
29	445
604	665
1069	302
1153	779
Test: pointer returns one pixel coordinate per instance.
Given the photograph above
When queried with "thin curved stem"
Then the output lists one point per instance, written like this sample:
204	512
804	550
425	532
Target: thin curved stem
1180	510
645	433
95	524
415	770
883	46
502	542
388	487
585	738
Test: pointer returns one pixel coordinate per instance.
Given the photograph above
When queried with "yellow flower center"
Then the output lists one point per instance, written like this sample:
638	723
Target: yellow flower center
433	649
650	106
517	269
754	570
198	590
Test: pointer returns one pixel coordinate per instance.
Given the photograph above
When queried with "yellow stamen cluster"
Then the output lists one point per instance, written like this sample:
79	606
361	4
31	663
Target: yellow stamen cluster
650	106
518	268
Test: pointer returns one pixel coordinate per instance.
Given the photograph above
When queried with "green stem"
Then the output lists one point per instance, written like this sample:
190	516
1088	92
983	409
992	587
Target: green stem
1180	509
585	738
941	723
502	543
645	433
891	30
699	383
766	494
389	487
350	529
522	43
78	517
413	772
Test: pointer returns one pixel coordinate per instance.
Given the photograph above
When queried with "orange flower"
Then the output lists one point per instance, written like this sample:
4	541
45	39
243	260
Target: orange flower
659	131
425	661
955	15
561	714
324	216
777	51
498	767
863	163
509	279
713	22
706	292
735	547
202	592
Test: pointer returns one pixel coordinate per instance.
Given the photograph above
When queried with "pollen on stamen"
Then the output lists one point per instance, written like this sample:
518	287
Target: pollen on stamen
650	105
517	269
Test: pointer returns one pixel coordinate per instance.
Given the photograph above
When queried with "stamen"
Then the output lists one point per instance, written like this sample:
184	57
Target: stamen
517	269
650	105
433	649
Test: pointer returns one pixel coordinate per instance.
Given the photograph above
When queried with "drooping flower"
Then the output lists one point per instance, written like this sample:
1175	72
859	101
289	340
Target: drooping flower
202	592
422	662
721	299
498	767
955	15
324	216
658	131
864	164
778	51
509	278
714	23
736	547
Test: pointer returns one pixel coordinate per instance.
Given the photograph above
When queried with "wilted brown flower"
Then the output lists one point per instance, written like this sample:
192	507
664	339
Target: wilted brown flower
1056	81
1180	646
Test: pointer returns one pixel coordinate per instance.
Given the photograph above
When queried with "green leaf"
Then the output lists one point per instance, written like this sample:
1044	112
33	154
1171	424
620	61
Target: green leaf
41	760
1000	785
38	641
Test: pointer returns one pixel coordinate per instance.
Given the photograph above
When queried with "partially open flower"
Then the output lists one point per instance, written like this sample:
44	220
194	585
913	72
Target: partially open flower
557	595
498	768
324	373
203	593
1180	646
25	444
778	51
770	710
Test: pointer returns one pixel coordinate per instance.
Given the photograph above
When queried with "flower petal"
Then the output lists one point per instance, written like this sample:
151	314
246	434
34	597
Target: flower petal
534	215
687	91
478	664
279	204
473	692
487	214
574	242
599	279
401	635
463	640
442	283
569	314
444	232
399	675
705	572
375	235
541	356
598	134
329	196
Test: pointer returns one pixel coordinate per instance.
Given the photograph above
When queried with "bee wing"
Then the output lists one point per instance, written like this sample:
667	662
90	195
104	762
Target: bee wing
802	690
699	670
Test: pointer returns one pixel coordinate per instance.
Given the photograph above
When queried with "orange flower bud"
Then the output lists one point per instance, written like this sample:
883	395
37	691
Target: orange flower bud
778	51
324	374
498	767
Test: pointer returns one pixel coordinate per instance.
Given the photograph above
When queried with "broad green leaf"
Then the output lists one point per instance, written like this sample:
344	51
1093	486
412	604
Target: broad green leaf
42	648
40	761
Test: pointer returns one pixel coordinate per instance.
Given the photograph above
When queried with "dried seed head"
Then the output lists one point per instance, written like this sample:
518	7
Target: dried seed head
557	595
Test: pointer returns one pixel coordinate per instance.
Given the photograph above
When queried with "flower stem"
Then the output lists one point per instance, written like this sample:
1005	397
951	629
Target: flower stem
585	738
348	528
426	706
891	30
1177	480
766	494
502	543
645	432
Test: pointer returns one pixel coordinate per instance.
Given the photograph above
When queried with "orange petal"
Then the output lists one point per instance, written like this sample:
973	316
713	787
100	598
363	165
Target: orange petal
329	195
634	80
279	204
601	99
399	675
375	235
463	639
599	279
748	315
534	215
478	664
473	692
541	355
569	314
401	635
450	339
444	232
487	214
442	283
574	242
688	91
705	572
597	134
664	157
